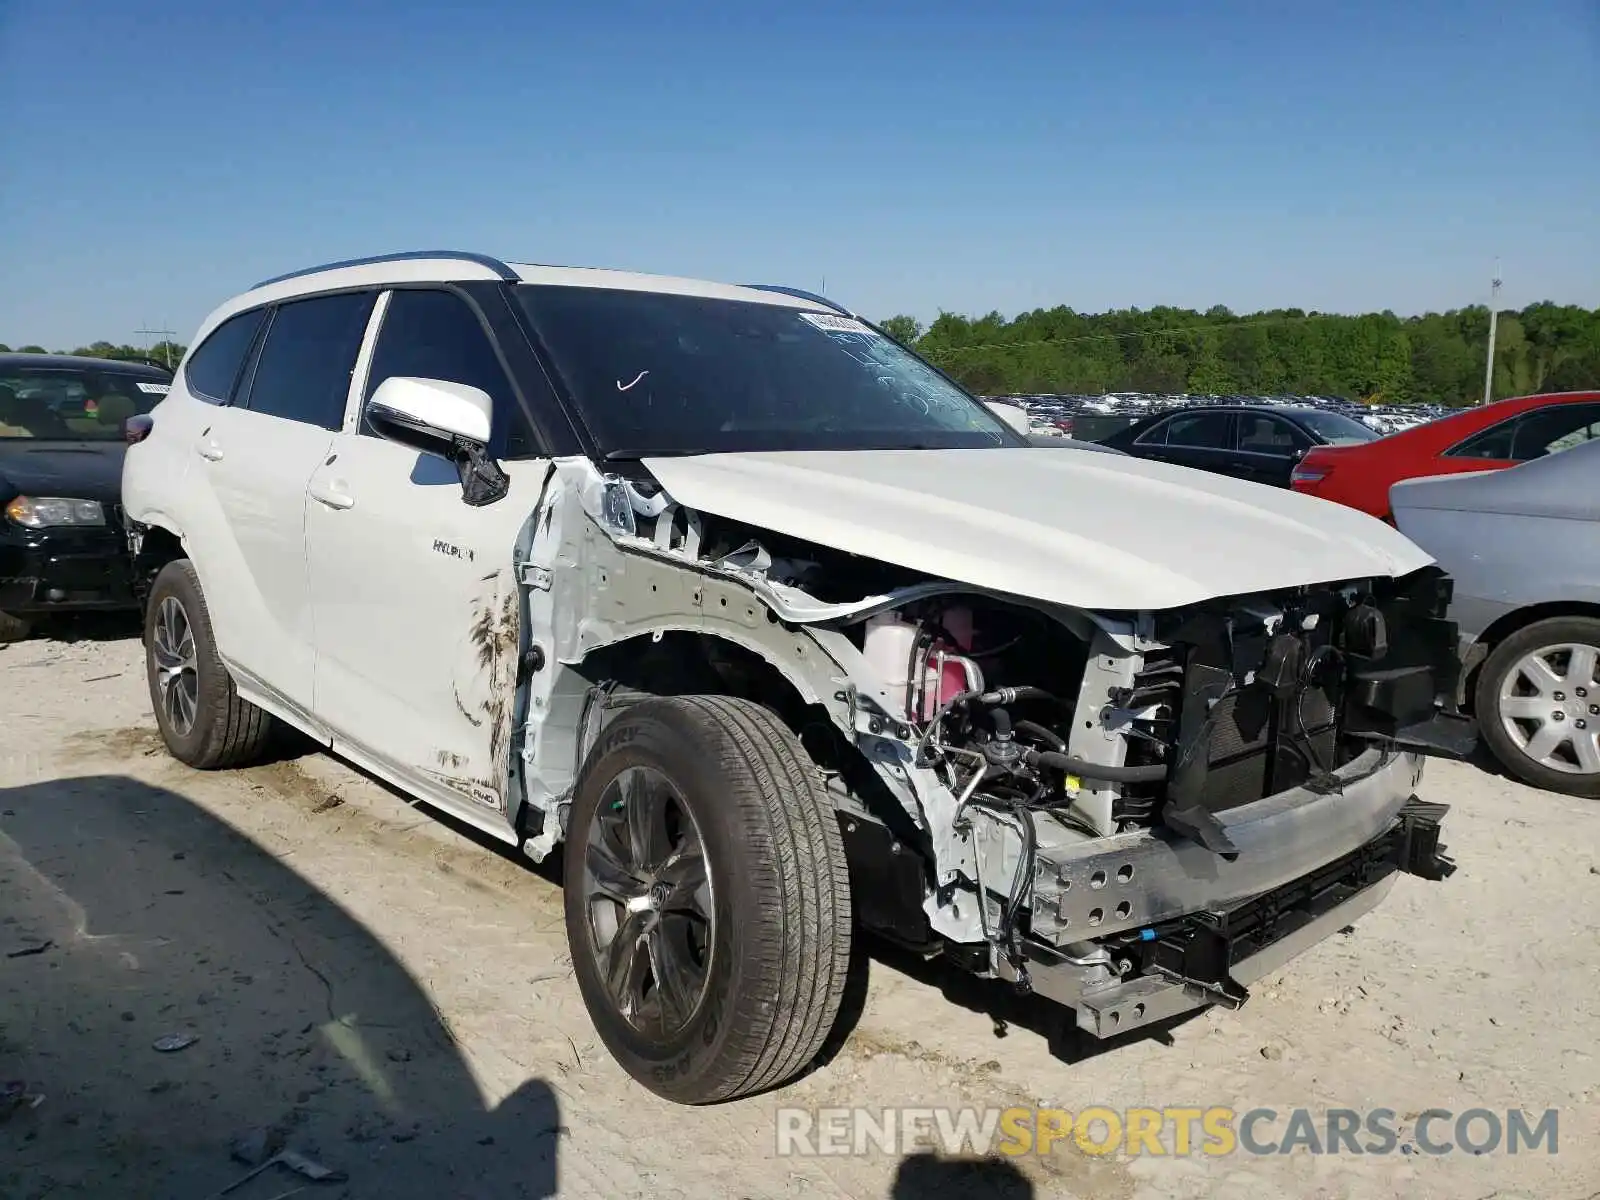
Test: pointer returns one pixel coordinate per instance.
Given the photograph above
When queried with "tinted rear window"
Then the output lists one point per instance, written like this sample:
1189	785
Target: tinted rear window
212	369
73	403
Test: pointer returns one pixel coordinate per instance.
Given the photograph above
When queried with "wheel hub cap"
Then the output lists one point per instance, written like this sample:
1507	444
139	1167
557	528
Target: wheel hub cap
1547	703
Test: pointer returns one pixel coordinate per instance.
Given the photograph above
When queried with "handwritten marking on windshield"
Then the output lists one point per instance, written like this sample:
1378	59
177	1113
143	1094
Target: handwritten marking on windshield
622	387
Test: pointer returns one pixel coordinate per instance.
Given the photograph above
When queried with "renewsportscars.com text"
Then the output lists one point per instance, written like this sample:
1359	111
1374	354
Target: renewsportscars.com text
1176	1132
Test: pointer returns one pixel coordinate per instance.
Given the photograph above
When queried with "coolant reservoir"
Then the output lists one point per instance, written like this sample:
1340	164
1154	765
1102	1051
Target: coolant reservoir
944	672
887	647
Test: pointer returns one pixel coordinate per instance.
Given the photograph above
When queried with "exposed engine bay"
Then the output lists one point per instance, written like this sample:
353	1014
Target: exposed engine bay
1071	800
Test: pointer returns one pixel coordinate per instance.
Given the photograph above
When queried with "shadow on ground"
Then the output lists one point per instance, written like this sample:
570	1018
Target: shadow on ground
128	916
86	626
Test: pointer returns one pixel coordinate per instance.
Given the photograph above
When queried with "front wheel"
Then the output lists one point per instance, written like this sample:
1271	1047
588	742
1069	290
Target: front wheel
202	719
707	898
1538	704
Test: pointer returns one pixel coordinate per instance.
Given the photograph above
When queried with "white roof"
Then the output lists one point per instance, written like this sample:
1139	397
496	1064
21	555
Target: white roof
447	268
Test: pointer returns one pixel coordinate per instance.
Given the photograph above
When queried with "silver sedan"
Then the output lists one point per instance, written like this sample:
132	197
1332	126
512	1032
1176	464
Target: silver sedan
1523	546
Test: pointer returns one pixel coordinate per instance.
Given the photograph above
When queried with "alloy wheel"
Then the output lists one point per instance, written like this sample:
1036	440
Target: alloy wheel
649	901
177	674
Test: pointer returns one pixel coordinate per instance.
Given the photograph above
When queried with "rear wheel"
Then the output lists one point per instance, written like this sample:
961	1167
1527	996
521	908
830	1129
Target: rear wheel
1538	704
13	629
707	898
202	720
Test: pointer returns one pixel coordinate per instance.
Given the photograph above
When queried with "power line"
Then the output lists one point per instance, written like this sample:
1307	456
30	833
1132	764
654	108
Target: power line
166	336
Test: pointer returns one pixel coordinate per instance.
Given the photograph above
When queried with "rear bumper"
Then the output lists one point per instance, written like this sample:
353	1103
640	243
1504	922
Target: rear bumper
64	570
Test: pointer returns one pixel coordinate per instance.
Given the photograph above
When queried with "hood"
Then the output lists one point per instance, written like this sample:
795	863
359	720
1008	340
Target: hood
81	470
1091	531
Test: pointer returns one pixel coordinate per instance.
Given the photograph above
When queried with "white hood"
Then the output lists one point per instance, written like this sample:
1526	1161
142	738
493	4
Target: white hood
1092	531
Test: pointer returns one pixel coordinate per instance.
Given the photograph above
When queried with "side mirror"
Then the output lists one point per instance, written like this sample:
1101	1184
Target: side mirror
440	417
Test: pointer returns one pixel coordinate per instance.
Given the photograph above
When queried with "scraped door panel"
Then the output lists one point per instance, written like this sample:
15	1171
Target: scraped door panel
417	616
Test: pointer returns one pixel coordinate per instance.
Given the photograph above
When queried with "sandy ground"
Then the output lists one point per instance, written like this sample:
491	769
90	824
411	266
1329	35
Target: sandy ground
391	996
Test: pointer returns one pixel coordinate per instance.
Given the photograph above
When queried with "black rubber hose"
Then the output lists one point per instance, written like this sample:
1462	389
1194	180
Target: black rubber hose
1088	770
1043	734
1010	695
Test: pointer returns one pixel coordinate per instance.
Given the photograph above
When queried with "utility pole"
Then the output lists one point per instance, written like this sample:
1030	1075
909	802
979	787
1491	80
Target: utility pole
1494	320
166	336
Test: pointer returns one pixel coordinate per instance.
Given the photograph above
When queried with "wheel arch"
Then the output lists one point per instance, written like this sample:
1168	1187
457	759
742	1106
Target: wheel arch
159	543
807	692
1512	622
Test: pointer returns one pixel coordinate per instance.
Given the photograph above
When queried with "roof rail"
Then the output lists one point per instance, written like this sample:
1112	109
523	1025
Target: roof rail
483	260
801	295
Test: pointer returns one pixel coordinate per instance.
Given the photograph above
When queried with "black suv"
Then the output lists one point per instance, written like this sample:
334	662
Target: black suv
63	432
1257	442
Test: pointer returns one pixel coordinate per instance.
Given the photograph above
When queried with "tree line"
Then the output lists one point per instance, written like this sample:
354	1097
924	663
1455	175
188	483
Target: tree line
1438	358
166	353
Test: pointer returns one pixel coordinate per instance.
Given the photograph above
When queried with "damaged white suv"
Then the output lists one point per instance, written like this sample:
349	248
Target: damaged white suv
782	636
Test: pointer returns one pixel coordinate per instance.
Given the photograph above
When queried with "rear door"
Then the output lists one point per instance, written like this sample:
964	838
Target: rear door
417	606
1267	447
256	456
1203	440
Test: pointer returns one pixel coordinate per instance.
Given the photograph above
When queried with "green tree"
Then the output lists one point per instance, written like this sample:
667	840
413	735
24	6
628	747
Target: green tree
903	329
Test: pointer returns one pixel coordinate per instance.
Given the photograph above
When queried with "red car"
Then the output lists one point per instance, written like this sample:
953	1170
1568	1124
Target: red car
1485	438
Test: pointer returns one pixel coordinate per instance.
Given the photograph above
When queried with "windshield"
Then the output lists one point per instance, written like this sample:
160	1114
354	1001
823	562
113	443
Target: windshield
73	403
1336	429
658	374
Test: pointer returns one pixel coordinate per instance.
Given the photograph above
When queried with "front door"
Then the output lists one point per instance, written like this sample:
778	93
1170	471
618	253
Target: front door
416	601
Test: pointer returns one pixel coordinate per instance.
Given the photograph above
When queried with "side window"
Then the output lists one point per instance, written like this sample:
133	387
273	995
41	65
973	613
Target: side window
1551	430
436	335
1199	431
1494	442
213	369
1260	434
1156	435
303	371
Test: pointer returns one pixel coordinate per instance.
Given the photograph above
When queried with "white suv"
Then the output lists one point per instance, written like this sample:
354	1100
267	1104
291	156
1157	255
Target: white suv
783	635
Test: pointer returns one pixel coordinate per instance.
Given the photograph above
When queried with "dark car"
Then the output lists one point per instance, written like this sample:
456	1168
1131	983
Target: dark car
1261	443
62	437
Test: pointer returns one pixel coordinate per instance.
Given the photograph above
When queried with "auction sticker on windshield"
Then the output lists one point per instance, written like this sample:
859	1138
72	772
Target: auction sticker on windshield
829	323
155	389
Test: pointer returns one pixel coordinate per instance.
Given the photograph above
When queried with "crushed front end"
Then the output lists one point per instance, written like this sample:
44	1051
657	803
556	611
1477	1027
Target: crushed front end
1215	789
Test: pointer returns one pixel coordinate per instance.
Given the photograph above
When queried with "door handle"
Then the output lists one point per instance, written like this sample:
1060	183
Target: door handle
209	450
332	495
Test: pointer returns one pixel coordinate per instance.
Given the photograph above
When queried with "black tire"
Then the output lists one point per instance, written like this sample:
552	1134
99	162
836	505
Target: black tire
1501	662
779	940
225	731
13	629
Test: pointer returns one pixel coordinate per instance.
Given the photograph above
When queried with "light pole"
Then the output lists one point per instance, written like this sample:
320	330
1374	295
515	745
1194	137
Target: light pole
1494	319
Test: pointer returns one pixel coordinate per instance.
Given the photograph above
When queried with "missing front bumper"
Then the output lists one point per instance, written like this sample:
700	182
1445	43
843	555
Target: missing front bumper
1214	956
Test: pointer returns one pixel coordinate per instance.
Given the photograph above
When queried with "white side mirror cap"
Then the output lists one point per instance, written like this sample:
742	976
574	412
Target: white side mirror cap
433	408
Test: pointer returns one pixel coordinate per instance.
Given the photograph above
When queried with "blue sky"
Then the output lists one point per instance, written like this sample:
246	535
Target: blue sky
917	156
